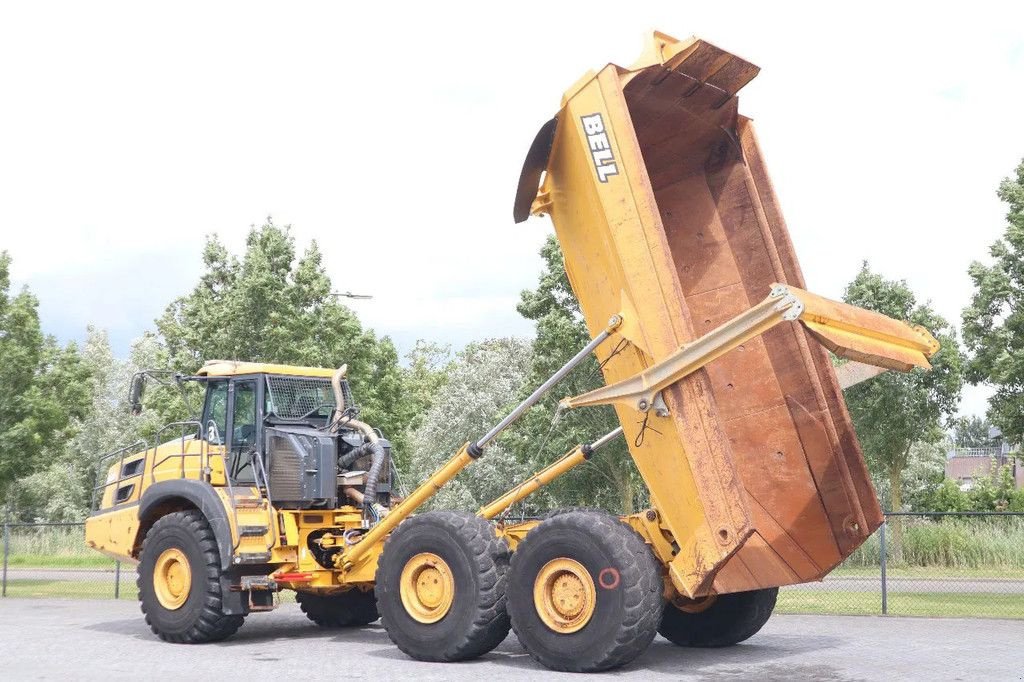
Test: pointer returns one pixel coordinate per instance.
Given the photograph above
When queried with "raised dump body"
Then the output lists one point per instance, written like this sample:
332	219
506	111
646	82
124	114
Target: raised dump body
665	213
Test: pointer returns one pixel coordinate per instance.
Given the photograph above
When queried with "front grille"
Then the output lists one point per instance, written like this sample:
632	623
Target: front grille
286	468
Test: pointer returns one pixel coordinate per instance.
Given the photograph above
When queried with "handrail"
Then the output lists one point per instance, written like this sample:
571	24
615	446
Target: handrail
181	454
258	471
189	430
101	470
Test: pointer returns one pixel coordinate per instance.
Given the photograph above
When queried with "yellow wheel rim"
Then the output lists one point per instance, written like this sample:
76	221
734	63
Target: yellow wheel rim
564	595
172	578
427	587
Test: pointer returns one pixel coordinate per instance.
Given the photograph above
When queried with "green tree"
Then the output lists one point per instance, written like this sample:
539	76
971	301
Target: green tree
610	479
994	492
428	369
479	390
44	385
971	432
894	410
924	474
61	491
947	497
273	305
993	322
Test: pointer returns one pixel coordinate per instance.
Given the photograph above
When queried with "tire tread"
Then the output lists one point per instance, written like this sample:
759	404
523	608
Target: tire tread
640	578
213	625
490	623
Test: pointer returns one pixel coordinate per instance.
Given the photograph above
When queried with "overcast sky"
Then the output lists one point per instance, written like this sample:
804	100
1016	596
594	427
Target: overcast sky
394	137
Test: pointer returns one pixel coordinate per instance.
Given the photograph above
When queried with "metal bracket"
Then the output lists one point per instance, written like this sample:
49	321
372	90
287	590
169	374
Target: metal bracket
846	330
789	305
643	391
660	408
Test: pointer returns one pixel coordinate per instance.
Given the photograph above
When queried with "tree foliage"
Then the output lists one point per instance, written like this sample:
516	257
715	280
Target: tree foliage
993	322
427	370
995	493
894	411
610	479
971	432
273	305
62	489
44	385
479	388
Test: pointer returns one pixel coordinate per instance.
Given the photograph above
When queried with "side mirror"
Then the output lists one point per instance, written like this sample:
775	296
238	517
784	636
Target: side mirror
135	393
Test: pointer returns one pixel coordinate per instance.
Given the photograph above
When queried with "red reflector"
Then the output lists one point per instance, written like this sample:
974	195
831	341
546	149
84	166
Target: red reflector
293	577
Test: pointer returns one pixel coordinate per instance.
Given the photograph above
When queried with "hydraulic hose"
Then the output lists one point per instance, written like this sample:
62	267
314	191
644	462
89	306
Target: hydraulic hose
380	456
372	446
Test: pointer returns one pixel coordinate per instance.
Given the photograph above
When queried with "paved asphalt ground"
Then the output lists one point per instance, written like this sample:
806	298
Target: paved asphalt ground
857	584
107	640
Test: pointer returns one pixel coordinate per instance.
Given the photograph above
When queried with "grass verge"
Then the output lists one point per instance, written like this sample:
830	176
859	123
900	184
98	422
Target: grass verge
935	604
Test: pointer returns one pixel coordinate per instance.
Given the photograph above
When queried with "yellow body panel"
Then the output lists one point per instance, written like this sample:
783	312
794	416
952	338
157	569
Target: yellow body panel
616	258
666	216
179	458
227	368
114	532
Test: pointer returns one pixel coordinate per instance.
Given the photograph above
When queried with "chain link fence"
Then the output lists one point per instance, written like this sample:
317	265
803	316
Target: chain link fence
50	560
963	564
916	564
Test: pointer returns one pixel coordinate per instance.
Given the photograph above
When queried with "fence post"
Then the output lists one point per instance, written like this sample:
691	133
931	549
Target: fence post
7	551
885	593
117	580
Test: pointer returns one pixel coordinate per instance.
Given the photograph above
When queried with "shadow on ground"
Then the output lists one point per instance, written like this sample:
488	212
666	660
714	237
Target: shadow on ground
766	653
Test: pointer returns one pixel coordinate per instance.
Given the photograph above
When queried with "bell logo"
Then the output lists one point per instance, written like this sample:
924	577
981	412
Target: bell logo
600	146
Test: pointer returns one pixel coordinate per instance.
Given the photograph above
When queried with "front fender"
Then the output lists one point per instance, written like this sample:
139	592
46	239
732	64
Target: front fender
203	497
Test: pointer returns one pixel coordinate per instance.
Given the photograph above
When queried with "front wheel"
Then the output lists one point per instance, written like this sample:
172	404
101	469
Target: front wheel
585	592
723	620
179	581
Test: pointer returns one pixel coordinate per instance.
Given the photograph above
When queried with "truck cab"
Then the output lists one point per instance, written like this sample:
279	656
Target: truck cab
270	441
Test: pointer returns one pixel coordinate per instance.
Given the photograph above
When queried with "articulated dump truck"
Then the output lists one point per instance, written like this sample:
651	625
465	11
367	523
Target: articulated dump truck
716	358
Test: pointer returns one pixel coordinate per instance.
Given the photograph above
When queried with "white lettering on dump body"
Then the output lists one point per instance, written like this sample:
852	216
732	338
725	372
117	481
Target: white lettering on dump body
600	147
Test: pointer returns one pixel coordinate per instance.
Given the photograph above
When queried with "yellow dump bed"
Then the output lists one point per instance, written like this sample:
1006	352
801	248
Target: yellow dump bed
666	215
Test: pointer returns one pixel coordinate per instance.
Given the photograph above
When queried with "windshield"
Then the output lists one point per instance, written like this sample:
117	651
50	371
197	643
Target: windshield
302	397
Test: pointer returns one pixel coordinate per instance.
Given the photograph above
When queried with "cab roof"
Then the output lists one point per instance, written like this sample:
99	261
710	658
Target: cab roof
226	368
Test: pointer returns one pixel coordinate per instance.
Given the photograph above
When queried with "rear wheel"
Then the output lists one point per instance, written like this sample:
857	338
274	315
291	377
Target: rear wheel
723	620
441	587
179	581
585	592
352	608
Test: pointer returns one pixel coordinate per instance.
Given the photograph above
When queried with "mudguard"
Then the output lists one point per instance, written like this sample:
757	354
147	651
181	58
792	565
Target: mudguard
201	495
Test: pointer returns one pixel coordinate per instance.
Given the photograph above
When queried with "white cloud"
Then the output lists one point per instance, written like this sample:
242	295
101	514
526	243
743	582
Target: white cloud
394	135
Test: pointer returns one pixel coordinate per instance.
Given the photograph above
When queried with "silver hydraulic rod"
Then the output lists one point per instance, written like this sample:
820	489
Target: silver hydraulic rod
578	455
605	439
547	385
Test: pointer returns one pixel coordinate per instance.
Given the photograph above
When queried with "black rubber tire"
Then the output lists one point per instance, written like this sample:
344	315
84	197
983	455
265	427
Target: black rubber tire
200	619
347	609
731	619
477	621
628	602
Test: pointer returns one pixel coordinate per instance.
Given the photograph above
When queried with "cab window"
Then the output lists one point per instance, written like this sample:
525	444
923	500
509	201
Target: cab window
243	416
216	412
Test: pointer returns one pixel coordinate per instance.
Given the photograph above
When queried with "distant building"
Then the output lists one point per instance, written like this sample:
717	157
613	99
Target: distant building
965	465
